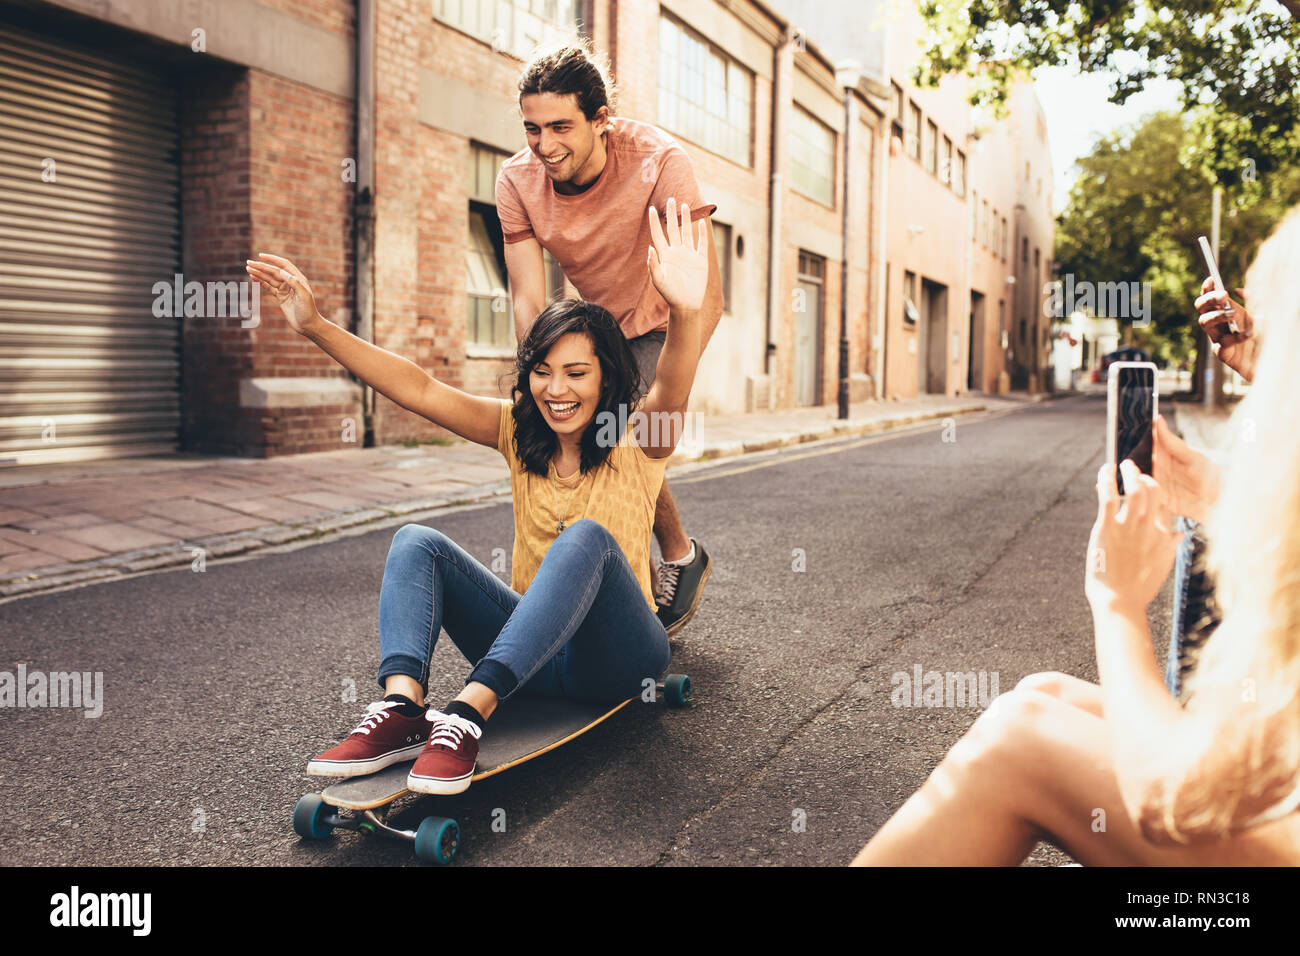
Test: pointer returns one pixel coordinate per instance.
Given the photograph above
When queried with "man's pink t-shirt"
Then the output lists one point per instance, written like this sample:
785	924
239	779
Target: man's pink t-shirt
600	236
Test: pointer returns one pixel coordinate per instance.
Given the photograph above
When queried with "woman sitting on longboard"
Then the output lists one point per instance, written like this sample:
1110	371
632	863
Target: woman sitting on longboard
585	473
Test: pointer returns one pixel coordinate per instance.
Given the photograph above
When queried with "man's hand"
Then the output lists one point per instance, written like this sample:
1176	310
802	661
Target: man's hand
290	289
679	262
1235	349
1189	478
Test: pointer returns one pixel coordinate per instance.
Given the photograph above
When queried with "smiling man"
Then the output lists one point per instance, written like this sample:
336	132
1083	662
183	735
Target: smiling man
580	190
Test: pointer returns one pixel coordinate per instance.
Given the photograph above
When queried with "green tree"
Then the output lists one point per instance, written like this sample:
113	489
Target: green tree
1237	61
1134	215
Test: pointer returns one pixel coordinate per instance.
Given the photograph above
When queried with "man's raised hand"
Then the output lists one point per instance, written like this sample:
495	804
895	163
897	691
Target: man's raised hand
679	260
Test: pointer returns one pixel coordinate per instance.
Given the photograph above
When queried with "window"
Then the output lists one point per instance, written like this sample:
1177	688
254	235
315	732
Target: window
984	232
490	317
914	132
899	106
484	165
945	162
703	93
1024	251
997	234
812	157
722	245
1036	266
929	151
515	26
959	174
1005	239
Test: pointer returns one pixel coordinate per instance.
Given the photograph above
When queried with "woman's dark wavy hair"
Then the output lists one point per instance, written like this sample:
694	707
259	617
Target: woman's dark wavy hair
535	440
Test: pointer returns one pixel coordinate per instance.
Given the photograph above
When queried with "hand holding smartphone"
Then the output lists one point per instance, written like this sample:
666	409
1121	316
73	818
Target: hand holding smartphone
1131	400
1213	266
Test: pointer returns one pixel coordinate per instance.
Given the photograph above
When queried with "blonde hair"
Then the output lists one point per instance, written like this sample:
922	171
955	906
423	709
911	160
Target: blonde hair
1246	686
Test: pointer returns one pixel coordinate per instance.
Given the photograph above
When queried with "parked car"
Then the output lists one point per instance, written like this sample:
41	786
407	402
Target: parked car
1130	353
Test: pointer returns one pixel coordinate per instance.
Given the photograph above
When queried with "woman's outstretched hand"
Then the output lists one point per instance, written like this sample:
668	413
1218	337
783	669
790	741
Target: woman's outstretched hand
290	289
679	261
1133	543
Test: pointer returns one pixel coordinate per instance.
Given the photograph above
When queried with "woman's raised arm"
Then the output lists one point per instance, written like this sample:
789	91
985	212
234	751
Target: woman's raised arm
679	267
470	416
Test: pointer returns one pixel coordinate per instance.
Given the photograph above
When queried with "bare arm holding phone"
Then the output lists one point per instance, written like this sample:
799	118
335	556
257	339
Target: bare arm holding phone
1218	315
1228	325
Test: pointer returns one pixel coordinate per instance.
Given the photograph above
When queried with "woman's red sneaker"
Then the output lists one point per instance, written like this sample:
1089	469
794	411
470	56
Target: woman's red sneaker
447	763
384	737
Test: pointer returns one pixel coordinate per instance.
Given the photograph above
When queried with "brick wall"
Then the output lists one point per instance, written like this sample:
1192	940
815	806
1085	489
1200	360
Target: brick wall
216	235
261	171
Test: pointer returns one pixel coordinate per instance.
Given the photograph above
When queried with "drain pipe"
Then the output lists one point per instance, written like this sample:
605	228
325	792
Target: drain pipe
363	208
782	63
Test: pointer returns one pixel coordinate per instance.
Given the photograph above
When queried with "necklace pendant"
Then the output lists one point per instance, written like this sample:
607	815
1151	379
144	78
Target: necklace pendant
559	526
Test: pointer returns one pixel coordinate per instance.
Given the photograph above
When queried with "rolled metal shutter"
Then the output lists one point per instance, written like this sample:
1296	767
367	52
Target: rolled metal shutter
89	222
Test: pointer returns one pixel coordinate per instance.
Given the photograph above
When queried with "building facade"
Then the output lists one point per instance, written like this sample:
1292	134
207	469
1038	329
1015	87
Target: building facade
961	307
162	144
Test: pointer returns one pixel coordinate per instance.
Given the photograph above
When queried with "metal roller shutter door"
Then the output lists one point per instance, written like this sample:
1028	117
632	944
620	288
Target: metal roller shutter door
80	348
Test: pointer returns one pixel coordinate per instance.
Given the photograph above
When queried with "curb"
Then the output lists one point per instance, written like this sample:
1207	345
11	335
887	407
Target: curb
326	526
321	527
834	429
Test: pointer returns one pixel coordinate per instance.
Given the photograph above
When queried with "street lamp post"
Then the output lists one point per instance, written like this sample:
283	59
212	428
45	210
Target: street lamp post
846	76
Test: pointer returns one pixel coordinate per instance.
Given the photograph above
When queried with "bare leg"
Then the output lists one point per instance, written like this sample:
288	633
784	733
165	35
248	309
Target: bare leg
1037	765
673	542
479	696
406	686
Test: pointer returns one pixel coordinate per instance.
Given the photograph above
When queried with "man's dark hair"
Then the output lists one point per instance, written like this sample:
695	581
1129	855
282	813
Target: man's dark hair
535	440
574	69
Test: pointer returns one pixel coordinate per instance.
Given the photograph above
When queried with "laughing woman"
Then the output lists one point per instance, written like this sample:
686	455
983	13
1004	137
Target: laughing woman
579	620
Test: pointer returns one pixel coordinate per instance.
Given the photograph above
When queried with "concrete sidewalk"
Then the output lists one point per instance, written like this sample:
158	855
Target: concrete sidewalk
67	524
1205	429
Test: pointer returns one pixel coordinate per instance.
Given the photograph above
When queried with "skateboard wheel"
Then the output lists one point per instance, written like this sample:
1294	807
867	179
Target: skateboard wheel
437	839
677	690
308	817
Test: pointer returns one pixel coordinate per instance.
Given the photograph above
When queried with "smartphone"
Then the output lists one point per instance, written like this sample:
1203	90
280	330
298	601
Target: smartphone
1213	266
1131	408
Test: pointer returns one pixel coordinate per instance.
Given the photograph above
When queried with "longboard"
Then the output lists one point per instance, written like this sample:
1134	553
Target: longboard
519	730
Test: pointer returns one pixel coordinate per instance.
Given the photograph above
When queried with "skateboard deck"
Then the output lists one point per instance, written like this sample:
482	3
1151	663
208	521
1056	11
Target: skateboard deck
518	731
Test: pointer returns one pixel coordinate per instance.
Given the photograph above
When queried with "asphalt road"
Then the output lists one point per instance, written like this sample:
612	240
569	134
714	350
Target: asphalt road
955	555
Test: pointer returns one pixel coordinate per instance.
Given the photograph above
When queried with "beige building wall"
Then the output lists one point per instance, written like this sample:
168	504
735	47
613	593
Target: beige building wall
961	241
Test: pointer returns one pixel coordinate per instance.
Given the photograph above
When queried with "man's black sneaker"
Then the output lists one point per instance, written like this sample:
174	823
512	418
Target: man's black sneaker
680	587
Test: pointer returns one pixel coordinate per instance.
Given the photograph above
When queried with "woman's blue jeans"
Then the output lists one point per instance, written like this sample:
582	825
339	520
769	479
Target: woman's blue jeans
582	630
1196	614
